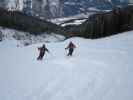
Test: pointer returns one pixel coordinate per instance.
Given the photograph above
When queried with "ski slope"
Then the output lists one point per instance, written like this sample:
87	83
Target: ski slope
100	69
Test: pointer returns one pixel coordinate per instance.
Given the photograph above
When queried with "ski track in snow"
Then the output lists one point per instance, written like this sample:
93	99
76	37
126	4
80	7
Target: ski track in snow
98	70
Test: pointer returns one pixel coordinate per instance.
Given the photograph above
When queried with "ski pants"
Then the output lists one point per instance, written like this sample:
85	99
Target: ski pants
40	57
70	52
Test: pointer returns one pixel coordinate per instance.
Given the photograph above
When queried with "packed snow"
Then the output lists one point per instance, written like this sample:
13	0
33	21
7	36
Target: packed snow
99	69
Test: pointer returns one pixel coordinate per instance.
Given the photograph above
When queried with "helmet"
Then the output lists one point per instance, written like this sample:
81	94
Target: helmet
43	45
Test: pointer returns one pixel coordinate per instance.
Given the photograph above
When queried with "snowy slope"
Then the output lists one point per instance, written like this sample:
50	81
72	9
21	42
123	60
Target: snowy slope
99	70
24	38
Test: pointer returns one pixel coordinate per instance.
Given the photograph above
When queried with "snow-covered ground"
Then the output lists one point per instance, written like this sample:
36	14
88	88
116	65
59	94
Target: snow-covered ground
100	69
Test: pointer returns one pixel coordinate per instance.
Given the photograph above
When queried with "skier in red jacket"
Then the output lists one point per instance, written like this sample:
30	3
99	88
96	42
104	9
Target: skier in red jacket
71	47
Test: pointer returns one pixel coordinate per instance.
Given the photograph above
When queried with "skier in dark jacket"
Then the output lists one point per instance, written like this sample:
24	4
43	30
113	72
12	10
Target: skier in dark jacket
71	47
42	50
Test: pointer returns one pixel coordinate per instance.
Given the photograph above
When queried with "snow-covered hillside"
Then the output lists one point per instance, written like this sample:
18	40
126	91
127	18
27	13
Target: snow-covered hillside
24	38
72	20
100	69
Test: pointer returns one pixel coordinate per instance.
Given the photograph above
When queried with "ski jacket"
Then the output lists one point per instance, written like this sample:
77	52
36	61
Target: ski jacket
70	46
43	49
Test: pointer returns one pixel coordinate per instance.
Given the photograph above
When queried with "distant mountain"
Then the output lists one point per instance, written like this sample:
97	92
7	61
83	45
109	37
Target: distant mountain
60	8
95	26
104	24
